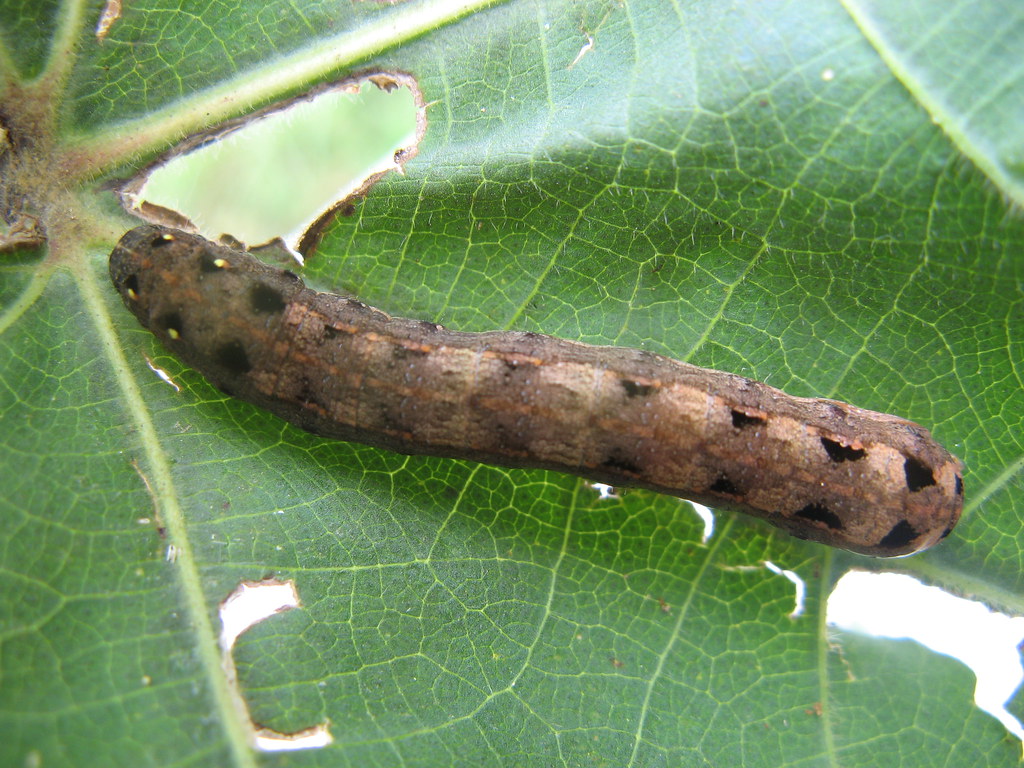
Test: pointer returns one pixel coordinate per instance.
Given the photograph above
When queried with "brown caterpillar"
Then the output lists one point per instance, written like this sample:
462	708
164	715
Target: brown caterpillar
819	469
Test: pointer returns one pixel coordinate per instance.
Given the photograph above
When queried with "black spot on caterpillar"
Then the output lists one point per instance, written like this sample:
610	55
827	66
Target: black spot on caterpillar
264	298
231	356
822	514
741	419
724	486
901	535
820	469
636	389
839	452
919	474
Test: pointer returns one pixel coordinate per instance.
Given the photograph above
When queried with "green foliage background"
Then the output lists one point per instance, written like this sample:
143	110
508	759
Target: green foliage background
825	196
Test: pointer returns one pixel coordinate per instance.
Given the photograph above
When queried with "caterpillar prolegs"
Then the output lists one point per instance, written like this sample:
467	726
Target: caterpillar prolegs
819	469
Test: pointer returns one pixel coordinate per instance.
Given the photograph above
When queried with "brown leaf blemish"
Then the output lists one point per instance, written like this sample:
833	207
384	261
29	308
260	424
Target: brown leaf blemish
111	12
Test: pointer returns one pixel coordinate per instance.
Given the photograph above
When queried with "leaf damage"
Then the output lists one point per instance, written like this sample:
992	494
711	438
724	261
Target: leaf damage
111	12
231	154
250	603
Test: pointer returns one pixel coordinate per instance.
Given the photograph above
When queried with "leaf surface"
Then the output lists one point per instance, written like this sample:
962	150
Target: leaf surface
756	188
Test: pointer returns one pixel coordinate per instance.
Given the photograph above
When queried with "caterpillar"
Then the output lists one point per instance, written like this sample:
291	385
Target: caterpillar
819	469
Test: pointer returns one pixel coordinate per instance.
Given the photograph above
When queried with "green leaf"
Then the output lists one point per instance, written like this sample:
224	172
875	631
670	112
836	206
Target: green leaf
765	189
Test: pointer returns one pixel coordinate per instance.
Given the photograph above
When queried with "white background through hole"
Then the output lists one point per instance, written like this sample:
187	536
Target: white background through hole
249	604
898	606
278	174
885	605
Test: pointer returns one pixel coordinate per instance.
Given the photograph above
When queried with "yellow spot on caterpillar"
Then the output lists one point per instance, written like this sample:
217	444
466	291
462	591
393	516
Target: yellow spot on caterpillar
132	295
221	263
173	333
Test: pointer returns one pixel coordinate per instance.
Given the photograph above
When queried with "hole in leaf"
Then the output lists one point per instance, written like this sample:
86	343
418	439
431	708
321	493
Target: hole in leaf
280	173
250	603
893	605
